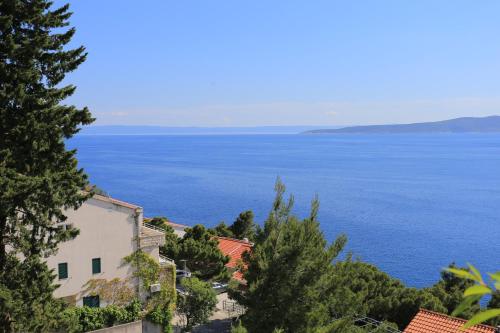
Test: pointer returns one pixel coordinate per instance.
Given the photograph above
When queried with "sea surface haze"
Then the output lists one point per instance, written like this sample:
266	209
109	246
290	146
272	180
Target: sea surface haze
408	203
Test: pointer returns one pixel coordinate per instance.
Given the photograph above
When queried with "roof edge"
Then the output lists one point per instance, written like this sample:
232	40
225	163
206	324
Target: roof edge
455	318
236	240
115	201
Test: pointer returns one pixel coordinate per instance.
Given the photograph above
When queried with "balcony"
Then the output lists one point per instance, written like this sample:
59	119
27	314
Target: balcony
166	261
151	236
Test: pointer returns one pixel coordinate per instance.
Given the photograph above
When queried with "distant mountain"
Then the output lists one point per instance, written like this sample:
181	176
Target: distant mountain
458	125
164	130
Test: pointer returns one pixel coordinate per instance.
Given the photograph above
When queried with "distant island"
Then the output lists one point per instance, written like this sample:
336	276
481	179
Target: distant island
458	125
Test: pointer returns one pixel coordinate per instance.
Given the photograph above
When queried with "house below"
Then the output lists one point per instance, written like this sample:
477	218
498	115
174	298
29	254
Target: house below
432	322
234	249
178	228
109	231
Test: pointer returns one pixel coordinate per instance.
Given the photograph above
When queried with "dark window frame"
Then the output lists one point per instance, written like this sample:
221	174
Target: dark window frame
62	273
96	266
92	301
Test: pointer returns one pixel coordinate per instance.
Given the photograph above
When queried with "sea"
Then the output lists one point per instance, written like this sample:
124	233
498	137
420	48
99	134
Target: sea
409	203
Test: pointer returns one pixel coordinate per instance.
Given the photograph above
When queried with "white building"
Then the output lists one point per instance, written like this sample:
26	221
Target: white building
109	231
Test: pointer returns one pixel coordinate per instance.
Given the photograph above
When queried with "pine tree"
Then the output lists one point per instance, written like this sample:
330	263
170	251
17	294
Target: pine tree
450	289
494	303
202	254
288	272
39	177
244	227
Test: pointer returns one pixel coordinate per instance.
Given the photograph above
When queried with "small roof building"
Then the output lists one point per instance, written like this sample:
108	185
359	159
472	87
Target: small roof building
234	249
179	229
426	321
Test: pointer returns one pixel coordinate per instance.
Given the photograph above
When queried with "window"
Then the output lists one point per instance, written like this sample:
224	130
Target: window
62	270
91	301
96	265
65	226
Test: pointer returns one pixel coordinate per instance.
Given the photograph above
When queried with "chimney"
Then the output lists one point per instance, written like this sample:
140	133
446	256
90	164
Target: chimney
497	329
246	241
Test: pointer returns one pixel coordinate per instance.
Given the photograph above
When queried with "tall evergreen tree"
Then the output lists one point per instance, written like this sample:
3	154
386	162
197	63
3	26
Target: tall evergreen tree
494	303
288	272
244	227
450	289
202	254
39	177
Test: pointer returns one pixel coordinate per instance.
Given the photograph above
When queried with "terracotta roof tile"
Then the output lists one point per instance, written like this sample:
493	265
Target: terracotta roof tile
237	275
234	248
432	322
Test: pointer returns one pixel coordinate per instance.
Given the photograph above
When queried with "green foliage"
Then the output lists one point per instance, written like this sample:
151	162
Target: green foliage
239	328
449	291
494	303
84	319
158	306
171	247
94	189
146	269
27	295
222	230
39	178
361	288
159	222
161	314
289	272
295	284
113	292
198	302
344	325
347	325
200	249
244	226
474	293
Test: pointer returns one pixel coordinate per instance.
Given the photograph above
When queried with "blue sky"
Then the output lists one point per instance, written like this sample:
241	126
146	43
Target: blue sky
253	63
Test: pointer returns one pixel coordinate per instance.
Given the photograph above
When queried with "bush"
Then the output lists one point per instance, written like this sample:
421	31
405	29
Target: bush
198	302
238	328
84	319
161	314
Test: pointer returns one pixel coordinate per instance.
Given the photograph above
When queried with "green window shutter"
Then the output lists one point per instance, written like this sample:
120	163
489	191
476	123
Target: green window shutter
96	265
62	269
91	301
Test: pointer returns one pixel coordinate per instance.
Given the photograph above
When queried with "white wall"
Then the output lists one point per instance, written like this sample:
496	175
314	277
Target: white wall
108	231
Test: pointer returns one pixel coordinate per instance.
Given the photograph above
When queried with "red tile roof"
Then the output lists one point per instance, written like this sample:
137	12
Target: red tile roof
237	275
234	249
432	322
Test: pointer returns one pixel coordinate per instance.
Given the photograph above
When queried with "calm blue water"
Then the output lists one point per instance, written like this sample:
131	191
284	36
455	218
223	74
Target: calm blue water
410	204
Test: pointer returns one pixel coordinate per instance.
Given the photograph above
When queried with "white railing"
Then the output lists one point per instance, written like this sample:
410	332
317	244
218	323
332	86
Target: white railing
151	226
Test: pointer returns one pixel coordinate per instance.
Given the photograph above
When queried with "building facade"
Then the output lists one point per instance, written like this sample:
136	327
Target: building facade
110	230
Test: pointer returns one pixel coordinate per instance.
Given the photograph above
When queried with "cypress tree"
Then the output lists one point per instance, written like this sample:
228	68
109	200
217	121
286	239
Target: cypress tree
39	177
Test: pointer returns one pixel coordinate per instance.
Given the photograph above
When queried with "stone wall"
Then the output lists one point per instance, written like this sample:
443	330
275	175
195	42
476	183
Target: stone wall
140	326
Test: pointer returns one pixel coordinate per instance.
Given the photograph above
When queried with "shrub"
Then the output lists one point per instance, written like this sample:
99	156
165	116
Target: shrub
84	319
